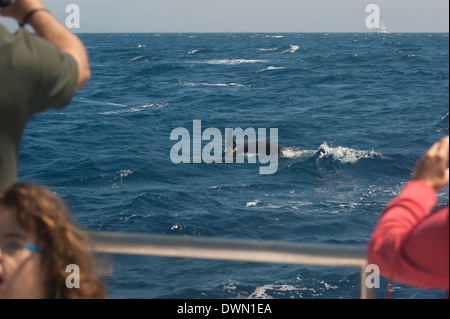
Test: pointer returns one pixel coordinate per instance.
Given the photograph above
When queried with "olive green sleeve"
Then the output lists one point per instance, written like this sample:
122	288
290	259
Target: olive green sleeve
34	76
38	75
57	77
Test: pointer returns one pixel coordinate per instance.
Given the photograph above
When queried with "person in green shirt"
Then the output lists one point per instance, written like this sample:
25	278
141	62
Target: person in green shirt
37	72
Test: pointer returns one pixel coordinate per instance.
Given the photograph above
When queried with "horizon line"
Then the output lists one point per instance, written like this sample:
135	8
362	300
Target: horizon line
261	32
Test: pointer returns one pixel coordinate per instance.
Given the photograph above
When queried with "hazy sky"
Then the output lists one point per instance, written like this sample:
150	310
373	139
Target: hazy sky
250	15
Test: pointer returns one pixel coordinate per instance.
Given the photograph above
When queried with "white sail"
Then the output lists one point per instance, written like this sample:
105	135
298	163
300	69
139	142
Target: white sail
383	27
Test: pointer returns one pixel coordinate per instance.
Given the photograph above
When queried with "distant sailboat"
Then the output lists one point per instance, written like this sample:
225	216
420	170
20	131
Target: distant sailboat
383	27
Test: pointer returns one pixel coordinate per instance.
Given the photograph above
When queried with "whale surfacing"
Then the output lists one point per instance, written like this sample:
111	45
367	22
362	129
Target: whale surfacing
264	148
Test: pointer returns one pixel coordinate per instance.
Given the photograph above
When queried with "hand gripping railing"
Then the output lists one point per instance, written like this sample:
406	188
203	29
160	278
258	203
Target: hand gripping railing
237	250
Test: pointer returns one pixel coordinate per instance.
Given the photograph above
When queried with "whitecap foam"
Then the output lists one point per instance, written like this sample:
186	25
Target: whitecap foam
340	153
269	49
271	68
261	292
232	61
111	113
293	152
328	286
136	58
146	106
121	176
255	203
414	56
348	155
214	84
292	49
134	109
125	172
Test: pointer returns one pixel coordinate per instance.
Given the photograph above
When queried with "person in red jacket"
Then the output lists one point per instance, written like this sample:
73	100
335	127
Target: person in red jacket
410	243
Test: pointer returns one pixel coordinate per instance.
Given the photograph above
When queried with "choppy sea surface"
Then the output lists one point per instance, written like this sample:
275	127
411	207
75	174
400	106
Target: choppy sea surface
373	102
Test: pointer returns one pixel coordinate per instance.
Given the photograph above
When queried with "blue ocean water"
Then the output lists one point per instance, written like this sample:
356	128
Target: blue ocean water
374	102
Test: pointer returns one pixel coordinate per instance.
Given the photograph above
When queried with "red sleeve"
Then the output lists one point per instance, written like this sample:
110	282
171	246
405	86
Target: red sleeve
411	245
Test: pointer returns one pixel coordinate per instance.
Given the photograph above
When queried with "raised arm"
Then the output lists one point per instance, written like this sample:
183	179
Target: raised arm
409	243
49	28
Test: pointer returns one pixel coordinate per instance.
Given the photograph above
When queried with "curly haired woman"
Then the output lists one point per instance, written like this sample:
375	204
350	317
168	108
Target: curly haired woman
38	241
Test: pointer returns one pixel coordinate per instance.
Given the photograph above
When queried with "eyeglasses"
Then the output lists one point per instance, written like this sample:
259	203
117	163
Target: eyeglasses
13	247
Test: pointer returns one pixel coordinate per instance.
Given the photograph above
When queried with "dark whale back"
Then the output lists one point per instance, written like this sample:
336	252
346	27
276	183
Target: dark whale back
247	148
265	150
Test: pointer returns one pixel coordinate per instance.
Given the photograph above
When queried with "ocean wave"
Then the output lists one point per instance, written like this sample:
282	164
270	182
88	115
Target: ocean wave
114	180
267	291
214	84
161	68
342	154
268	50
415	56
295	153
121	175
331	78
189	230
349	155
232	61
254	203
147	106
136	108
271	68
115	104
292	49
136	58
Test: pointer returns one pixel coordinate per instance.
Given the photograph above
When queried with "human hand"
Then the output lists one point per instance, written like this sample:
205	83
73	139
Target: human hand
19	9
432	168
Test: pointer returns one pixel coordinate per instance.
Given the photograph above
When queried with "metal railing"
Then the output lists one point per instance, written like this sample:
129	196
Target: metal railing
236	250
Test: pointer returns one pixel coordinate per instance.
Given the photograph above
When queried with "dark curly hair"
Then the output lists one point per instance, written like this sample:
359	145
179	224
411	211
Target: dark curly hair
42	213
